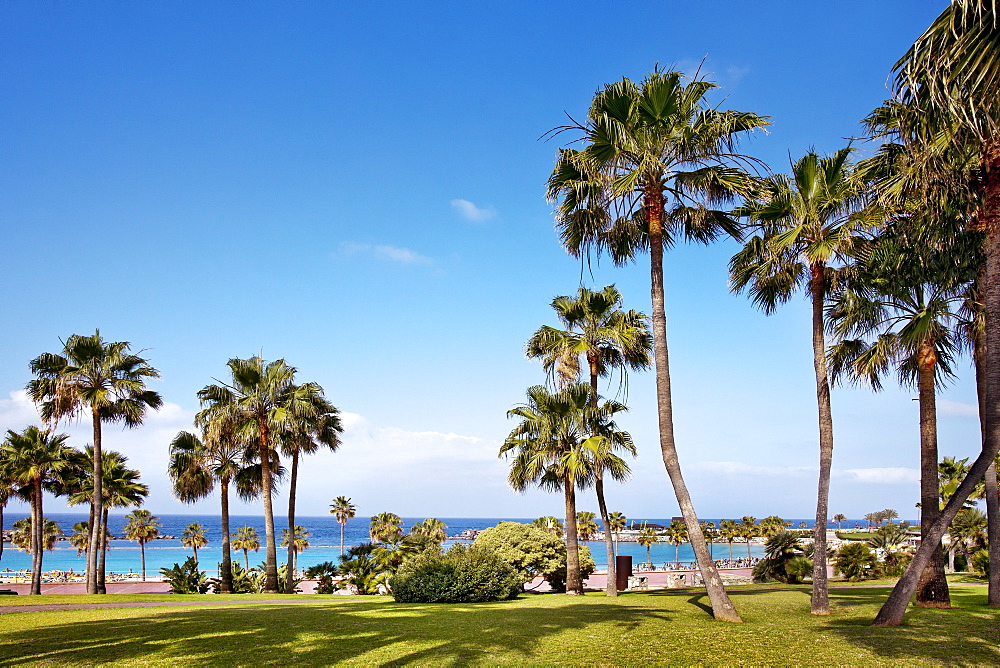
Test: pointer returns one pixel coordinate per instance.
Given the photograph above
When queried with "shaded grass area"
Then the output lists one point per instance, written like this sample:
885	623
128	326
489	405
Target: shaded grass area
655	627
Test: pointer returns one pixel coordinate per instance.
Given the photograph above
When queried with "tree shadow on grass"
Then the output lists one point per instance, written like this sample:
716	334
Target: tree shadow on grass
967	634
314	634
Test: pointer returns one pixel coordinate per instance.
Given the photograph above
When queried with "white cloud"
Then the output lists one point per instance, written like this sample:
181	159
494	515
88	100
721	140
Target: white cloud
18	412
890	476
388	253
470	211
881	476
957	409
401	255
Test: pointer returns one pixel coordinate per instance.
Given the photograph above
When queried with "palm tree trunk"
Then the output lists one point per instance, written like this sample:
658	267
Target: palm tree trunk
142	551
611	586
102	546
289	572
820	601
246	558
893	610
992	493
341	538
98	501
932	590
271	561
574	584
36	537
226	576
722	607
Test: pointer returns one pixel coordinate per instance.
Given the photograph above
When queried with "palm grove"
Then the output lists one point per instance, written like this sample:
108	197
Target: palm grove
898	254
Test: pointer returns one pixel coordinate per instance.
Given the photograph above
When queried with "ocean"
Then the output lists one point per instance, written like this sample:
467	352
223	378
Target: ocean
324	544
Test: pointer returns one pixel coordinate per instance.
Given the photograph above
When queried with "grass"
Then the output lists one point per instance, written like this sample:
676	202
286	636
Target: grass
636	628
110	599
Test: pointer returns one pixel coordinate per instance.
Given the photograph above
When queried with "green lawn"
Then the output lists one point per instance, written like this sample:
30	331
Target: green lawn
637	628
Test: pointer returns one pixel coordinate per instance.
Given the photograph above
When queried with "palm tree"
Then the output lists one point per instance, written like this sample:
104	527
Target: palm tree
386	528
142	527
259	401
80	537
195	465
838	518
22	536
805	227
611	340
344	510
749	529
297	541
895	310
549	524
550	448
647	538
194	537
676	534
431	528
8	489
729	530
246	539
616	522
34	458
656	159
313	422
948	76
586	525
104	379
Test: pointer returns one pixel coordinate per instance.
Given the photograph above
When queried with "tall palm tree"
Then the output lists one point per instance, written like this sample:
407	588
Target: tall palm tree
586	525
900	301
729	530
432	528
80	536
194	537
105	380
805	227
8	490
838	518
246	539
34	457
344	510
656	159
313	422
749	529
386	528
676	535
550	448
647	538
142	527
610	340
948	75
258	401
616	522
297	541
195	465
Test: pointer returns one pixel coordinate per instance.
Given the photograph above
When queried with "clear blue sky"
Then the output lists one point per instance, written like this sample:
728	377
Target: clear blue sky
359	188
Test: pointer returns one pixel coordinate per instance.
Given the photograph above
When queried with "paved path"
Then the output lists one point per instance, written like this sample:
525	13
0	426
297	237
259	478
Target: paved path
165	604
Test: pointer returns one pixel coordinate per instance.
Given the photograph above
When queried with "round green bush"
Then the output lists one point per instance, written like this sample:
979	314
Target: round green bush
462	575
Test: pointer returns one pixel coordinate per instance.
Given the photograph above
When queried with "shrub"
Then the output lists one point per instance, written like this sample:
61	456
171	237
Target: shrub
855	561
532	552
186	578
462	575
324	574
243	580
981	562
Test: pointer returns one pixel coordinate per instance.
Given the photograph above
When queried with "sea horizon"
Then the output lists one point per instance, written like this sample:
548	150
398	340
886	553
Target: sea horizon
124	555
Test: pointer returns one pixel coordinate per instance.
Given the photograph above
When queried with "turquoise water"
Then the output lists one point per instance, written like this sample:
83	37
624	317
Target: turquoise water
324	543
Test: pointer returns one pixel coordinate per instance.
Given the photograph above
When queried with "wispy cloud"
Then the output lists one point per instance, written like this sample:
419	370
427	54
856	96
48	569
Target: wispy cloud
890	476
957	408
388	253
881	476
470	211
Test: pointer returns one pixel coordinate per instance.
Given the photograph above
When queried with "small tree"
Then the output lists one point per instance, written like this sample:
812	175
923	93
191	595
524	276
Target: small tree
142	527
194	537
855	561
